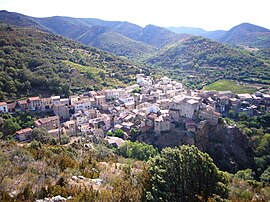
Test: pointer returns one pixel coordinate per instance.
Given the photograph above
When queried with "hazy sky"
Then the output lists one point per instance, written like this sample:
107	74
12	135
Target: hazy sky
207	14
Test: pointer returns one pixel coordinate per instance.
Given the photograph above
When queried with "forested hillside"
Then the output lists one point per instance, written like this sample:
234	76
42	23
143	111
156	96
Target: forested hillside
32	64
199	61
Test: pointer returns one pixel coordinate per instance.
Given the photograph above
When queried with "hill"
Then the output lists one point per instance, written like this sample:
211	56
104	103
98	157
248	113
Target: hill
201	52
247	34
34	62
198	61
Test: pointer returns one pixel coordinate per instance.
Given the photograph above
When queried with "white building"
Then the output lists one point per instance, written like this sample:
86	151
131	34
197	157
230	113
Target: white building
83	104
113	93
184	106
55	100
3	107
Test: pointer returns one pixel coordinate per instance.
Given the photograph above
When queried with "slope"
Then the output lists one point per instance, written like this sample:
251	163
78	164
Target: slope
248	35
199	51
198	61
34	62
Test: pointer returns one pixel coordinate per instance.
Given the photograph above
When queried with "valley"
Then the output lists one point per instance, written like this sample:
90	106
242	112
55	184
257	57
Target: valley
96	110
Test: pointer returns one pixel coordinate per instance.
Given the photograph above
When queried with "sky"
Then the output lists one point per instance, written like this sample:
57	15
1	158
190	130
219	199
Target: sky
206	14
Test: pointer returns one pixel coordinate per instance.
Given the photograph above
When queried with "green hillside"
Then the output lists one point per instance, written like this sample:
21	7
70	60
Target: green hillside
195	52
199	61
31	64
111	41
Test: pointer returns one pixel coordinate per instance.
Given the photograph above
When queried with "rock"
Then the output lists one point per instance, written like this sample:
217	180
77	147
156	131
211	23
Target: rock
230	149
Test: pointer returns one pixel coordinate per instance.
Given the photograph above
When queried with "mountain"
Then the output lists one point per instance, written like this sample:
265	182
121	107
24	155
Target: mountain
93	32
120	38
187	30
98	33
214	35
34	62
111	41
158	36
247	34
18	20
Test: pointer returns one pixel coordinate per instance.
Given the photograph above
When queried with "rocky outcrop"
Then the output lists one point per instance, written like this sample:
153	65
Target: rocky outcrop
229	147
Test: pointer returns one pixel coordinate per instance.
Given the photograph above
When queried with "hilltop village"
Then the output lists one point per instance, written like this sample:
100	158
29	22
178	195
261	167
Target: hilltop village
149	106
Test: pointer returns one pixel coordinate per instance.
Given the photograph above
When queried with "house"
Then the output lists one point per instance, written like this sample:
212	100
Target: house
127	125
100	100
144	81
226	94
23	105
161	123
70	128
184	106
132	87
83	116
49	123
34	103
210	116
64	101
113	93
24	134
3	107
11	107
73	99
61	110
245	97
55	99
165	80
114	141
83	104
46	104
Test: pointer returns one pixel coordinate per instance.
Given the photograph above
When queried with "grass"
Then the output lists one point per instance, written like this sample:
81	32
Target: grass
93	74
82	68
225	85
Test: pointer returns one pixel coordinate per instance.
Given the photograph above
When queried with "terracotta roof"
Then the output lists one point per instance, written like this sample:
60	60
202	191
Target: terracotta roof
33	98
3	103
22	102
22	131
12	105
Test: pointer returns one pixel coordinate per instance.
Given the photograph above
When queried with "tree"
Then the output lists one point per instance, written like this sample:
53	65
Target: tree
119	133
134	133
266	175
41	135
10	127
184	174
140	151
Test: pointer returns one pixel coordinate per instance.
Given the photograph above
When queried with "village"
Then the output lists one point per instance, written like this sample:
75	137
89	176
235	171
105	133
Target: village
149	106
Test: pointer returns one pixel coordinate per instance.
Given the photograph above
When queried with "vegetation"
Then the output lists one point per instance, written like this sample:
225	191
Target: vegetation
248	35
233	86
117	133
185	174
256	128
198	61
32	64
136	150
